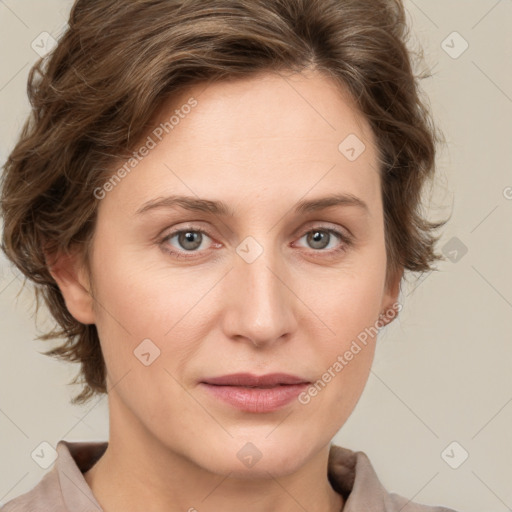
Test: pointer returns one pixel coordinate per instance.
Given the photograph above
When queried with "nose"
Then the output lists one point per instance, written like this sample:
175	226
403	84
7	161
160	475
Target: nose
260	305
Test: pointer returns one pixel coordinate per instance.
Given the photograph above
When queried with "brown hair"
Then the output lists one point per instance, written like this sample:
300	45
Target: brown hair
94	96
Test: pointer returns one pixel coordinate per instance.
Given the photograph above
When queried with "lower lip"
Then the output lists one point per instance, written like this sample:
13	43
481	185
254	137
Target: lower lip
256	399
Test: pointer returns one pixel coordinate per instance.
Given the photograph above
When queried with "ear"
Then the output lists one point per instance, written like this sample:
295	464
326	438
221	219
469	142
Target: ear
389	309
71	276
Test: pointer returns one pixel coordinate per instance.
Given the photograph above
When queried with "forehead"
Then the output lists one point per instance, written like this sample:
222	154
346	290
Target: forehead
260	136
269	107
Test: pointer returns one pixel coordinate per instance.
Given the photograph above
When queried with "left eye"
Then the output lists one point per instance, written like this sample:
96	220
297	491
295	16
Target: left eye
190	240
320	238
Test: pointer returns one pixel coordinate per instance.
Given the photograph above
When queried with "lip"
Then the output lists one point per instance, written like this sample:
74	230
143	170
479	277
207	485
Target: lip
253	393
249	379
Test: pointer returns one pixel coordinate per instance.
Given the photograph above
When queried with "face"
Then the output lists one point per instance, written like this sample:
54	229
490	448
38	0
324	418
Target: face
261	284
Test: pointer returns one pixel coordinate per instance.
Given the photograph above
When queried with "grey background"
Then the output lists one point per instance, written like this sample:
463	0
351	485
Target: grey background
442	371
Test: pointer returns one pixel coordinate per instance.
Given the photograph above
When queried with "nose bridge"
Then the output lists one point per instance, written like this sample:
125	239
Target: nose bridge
261	304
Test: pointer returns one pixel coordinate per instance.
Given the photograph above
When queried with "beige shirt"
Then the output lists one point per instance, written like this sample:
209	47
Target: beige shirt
64	489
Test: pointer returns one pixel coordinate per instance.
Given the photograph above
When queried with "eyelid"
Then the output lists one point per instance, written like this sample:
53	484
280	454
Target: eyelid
327	226
189	227
345	237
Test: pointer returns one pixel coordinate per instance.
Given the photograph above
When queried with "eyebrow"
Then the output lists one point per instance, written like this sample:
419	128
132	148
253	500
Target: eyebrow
220	208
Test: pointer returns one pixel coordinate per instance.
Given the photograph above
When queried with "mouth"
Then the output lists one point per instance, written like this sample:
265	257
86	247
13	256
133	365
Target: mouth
254	381
256	394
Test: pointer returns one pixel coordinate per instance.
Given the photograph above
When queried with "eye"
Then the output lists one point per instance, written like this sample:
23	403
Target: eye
188	240
320	238
192	239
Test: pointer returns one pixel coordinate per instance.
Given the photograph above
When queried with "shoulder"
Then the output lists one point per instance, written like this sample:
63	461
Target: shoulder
44	496
64	487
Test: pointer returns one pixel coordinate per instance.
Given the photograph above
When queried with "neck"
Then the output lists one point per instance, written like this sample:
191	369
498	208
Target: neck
151	473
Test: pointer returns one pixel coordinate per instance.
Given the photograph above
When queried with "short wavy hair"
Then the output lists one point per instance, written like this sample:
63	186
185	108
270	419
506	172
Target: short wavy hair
95	94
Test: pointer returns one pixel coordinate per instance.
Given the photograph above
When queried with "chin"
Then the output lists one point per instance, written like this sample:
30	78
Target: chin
252	457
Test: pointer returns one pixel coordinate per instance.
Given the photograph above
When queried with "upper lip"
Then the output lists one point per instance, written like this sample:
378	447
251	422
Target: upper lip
249	379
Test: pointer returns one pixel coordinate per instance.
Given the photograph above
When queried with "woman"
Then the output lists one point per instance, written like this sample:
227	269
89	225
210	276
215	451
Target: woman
218	201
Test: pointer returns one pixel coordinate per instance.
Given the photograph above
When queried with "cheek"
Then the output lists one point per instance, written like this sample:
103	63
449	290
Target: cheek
346	365
348	305
133	294
349	310
349	350
139	300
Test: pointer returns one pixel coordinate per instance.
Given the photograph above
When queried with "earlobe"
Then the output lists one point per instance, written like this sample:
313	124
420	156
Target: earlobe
72	278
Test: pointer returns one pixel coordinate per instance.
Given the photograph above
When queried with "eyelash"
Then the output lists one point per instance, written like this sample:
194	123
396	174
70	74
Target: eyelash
347	241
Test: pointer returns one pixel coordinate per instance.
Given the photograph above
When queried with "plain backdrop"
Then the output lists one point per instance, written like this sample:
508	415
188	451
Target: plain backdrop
436	415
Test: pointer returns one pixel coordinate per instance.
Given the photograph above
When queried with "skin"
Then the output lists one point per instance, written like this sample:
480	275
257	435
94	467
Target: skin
261	145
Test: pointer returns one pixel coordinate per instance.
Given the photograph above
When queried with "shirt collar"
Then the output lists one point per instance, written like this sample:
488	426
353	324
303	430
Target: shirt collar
74	459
